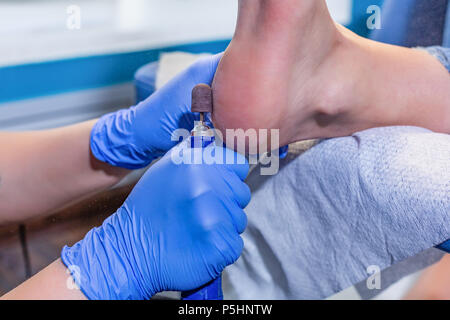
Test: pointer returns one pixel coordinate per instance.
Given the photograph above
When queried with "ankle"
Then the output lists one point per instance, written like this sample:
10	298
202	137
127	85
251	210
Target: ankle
349	82
337	92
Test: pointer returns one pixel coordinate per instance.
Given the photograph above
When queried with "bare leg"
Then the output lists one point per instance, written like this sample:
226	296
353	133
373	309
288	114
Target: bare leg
45	170
52	283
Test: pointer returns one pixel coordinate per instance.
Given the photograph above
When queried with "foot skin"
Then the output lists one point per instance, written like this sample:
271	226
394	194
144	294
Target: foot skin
268	75
290	67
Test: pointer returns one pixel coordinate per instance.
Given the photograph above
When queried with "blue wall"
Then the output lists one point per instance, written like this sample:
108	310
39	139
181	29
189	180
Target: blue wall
54	77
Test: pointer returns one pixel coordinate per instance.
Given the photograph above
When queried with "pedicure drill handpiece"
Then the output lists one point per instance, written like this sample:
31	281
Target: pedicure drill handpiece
202	103
201	137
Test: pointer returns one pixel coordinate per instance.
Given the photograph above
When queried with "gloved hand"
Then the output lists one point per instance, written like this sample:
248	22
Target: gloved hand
177	231
445	246
134	137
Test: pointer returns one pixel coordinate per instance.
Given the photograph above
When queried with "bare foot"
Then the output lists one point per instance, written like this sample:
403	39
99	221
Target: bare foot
290	67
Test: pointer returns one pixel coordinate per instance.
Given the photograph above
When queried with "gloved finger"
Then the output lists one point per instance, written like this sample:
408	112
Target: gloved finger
239	218
217	210
236	213
229	245
240	191
177	94
234	167
179	89
204	69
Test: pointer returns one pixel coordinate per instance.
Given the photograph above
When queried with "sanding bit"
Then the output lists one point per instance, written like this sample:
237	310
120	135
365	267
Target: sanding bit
202	102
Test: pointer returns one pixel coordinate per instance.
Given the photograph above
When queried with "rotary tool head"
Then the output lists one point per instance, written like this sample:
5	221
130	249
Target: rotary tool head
202	99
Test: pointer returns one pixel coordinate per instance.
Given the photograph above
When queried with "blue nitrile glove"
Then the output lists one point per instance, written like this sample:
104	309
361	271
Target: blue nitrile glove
132	138
177	231
445	246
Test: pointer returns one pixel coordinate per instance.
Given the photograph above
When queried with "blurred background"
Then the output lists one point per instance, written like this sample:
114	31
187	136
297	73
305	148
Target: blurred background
63	62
